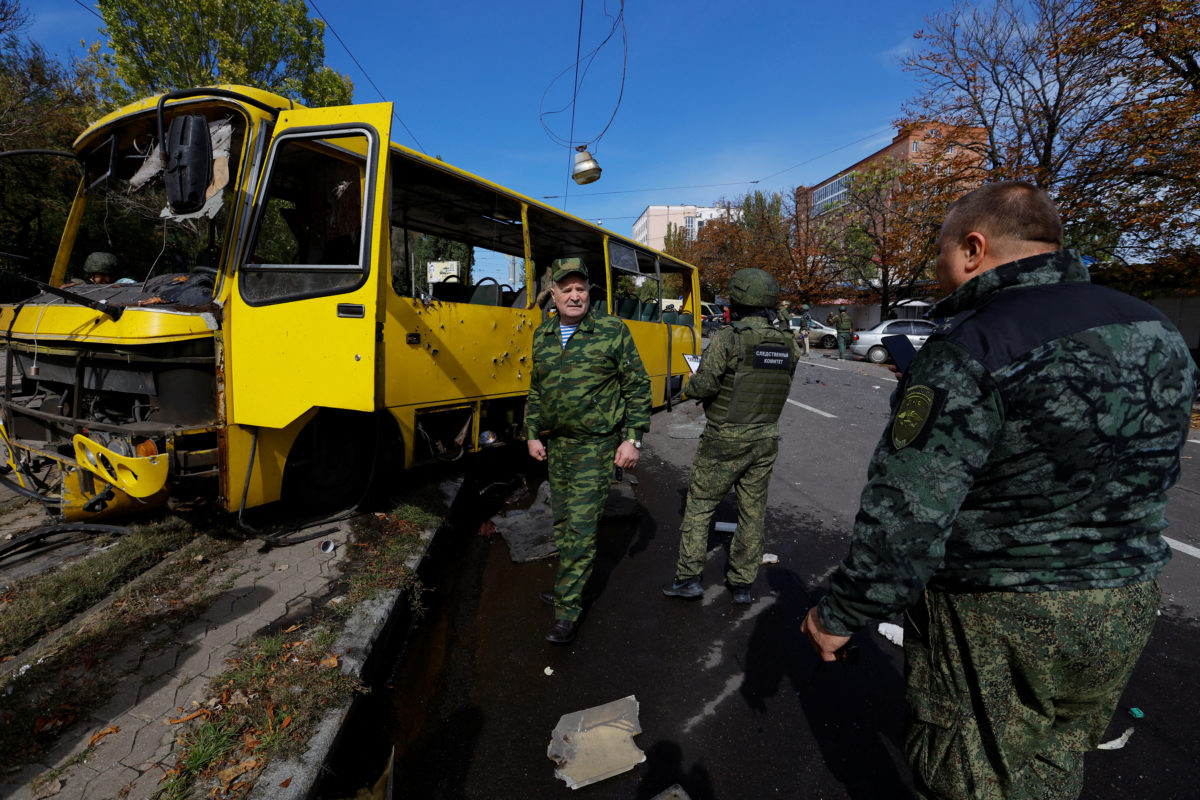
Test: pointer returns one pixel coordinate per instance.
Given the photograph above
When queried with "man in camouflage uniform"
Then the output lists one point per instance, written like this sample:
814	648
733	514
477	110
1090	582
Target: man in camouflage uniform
1015	506
845	333
588	388
805	327
744	379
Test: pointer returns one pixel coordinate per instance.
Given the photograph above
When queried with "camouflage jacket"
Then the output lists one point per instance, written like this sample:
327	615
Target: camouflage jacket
720	358
593	386
1031	445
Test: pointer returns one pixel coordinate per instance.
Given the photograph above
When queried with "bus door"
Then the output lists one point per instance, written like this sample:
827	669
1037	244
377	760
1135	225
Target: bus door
301	327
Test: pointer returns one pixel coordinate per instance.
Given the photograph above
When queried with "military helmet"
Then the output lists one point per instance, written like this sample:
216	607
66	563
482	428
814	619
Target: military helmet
754	288
100	262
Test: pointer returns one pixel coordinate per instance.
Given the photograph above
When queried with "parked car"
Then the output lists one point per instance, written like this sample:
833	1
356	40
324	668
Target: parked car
869	345
708	309
819	334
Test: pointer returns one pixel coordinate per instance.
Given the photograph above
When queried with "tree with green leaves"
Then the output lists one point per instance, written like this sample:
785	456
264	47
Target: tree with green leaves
44	103
161	45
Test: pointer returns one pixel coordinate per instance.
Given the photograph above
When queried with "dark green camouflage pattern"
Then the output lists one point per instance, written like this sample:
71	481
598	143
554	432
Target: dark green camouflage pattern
756	388
1046	470
580	399
731	454
593	386
1008	690
755	288
719	464
580	472
720	362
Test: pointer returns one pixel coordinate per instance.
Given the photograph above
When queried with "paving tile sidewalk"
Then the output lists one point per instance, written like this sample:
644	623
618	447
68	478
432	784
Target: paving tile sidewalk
163	681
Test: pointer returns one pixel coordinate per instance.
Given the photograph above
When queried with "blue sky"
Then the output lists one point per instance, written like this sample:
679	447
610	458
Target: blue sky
716	94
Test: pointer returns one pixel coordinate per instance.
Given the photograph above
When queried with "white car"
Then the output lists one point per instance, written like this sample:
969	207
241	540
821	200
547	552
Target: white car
819	334
869	344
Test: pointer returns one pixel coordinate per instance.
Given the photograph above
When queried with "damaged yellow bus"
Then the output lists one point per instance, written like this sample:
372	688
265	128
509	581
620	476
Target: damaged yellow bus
296	302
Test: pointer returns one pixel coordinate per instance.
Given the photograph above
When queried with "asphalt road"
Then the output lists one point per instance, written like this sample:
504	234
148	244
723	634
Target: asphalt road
733	704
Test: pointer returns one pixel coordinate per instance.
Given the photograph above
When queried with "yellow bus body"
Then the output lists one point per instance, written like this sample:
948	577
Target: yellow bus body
290	332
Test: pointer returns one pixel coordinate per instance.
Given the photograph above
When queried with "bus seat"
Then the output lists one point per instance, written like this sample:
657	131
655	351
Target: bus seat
627	308
519	301
485	294
650	311
671	317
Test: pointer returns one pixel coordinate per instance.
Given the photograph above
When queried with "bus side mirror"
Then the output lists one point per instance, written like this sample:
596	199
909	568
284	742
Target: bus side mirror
188	172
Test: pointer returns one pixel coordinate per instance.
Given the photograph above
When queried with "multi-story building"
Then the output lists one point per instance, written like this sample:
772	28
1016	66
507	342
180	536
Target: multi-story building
914	144
651	227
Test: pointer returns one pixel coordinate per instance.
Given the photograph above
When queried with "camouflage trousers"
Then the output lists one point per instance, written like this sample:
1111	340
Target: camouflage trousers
720	464
1007	690
844	339
581	473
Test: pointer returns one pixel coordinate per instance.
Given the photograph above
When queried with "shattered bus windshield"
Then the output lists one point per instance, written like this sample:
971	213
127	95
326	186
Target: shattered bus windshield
156	256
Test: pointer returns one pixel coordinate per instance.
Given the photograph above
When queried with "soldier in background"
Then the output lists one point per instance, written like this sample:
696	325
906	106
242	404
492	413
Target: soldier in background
1014	507
98	268
845	332
744	379
589	405
805	327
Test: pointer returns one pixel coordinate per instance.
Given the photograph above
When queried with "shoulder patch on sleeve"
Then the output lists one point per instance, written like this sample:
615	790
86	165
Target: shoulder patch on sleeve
917	407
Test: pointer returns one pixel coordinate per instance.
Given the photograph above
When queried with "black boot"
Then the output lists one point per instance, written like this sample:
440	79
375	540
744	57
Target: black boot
562	632
688	589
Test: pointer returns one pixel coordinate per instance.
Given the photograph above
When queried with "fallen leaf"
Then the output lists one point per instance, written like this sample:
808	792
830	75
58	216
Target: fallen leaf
286	721
96	738
204	712
286	782
228	776
292	628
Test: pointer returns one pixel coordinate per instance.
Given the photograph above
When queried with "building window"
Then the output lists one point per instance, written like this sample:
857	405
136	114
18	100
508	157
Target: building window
916	146
952	149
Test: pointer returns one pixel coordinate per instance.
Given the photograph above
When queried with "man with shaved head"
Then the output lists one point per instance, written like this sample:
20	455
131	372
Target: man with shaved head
1014	506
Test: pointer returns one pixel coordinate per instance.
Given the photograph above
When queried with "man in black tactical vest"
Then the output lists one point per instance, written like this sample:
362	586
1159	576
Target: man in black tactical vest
743	380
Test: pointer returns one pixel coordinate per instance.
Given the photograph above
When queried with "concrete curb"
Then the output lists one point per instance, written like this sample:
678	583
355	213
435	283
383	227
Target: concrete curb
362	632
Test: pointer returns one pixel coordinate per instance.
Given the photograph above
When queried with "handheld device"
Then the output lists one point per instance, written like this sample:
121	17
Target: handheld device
900	349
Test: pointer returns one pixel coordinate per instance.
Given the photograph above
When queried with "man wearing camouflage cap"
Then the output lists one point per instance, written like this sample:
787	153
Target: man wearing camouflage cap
743	380
1014	506
589	404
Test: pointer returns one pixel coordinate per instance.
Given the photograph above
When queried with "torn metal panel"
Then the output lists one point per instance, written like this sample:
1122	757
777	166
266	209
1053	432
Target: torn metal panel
596	743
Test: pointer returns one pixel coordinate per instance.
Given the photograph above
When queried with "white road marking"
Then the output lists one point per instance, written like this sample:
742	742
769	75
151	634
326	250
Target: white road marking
1194	552
818	364
1194	441
732	684
814	410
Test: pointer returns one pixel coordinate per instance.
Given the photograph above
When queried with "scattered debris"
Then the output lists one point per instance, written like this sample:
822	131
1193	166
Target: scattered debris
330	661
726	527
1136	713
1117	743
328	546
770	558
893	633
548	671
675	792
596	743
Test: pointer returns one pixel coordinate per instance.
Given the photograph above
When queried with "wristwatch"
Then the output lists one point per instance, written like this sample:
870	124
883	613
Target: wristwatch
636	442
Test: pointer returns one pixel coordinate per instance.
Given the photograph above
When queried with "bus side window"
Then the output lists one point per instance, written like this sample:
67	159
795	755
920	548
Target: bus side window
454	240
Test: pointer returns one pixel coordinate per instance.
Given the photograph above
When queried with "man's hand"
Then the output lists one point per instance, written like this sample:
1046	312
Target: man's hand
825	643
627	455
537	450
